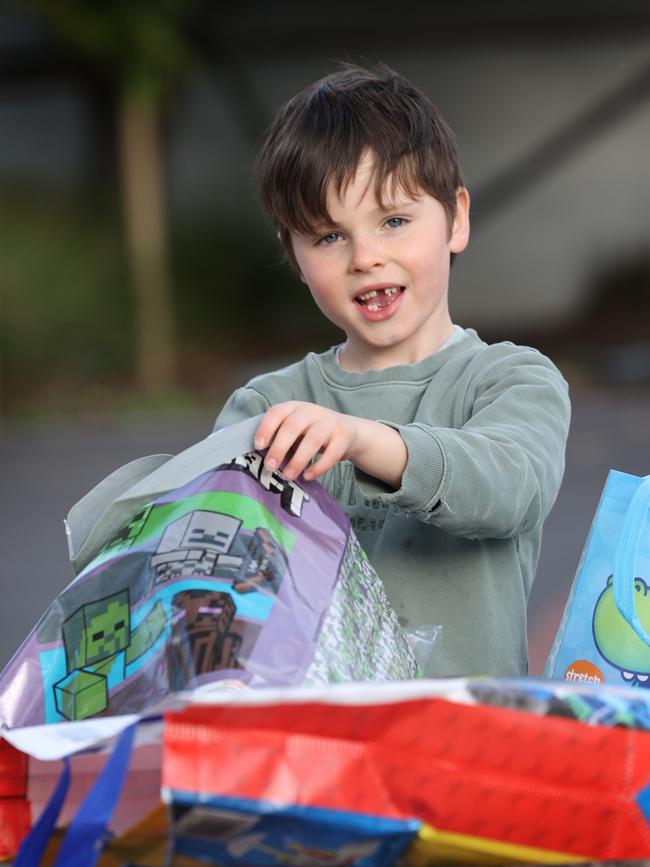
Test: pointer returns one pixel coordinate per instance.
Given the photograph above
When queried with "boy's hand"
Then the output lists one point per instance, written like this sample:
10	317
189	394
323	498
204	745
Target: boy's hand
297	431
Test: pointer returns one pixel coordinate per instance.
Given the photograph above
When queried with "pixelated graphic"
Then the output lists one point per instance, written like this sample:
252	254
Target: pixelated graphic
97	630
204	618
264	563
195	544
210	544
127	536
198	588
98	642
292	496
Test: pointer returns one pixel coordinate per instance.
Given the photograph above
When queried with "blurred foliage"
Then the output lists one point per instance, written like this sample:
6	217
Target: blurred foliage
67	323
236	296
69	309
141	45
63	288
141	50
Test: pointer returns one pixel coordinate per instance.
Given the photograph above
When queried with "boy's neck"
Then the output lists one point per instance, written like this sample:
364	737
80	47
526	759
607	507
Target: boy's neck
392	356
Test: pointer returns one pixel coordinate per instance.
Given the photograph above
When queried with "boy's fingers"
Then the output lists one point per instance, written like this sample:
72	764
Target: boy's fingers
293	433
311	443
286	437
334	452
270	423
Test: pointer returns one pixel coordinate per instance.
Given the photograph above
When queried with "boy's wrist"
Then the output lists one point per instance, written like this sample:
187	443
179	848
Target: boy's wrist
379	451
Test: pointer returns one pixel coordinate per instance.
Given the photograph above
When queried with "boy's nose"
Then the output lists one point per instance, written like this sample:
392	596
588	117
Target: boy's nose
365	254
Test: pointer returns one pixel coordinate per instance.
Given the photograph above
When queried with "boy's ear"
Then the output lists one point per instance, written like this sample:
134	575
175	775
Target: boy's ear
459	238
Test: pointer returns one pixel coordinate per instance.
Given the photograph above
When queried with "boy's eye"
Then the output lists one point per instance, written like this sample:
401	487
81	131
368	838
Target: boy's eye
331	238
395	222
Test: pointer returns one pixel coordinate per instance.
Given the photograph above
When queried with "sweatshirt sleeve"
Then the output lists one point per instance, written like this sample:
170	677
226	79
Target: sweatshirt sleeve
243	403
499	474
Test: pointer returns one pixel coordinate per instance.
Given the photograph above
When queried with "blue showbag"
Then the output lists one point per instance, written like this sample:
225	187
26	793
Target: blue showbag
604	635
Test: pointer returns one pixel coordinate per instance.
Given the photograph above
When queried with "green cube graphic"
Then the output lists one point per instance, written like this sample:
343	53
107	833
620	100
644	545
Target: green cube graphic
81	694
97	631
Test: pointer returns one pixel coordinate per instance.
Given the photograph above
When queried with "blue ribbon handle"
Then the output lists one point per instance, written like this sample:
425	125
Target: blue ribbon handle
87	833
33	846
627	552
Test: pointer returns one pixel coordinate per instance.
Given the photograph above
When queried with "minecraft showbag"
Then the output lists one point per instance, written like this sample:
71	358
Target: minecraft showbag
604	636
209	571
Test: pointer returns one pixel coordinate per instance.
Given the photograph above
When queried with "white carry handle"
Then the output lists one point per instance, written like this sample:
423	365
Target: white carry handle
625	558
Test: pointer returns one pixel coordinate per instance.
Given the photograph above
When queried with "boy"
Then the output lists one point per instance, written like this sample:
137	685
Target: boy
446	453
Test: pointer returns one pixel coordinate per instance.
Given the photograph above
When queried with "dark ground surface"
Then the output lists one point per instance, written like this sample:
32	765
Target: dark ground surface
45	471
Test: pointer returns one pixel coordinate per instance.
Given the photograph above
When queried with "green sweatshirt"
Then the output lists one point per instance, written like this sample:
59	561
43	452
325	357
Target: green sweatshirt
457	545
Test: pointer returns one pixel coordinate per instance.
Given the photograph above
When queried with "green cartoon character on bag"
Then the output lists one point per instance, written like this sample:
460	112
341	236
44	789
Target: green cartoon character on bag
99	644
617	641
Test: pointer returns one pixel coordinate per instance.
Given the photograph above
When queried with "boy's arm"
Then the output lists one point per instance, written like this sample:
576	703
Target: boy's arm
500	473
495	477
299	431
243	403
379	450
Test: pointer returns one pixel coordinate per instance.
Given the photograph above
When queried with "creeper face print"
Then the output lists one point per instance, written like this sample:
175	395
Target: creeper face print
128	535
98	642
97	630
108	631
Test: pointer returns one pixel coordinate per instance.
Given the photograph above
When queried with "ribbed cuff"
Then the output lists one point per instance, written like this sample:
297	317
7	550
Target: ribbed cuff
423	477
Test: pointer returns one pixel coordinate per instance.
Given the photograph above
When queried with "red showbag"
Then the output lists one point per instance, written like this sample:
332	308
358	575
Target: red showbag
496	773
15	817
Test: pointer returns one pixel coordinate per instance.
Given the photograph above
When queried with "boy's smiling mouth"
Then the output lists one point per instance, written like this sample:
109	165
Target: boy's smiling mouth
378	298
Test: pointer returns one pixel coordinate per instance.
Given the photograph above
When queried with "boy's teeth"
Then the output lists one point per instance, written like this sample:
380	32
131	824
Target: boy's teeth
390	290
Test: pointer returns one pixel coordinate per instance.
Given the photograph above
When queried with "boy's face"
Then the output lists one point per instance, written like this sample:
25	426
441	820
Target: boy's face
381	274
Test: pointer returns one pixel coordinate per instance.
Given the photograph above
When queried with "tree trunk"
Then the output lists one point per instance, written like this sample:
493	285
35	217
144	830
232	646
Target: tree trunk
146	239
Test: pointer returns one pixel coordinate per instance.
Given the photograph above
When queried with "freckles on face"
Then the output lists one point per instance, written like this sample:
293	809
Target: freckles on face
368	244
379	270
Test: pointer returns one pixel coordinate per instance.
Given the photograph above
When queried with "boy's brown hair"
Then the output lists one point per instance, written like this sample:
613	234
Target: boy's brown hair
322	133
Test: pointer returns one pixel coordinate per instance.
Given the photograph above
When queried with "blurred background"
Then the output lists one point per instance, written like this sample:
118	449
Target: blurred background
140	282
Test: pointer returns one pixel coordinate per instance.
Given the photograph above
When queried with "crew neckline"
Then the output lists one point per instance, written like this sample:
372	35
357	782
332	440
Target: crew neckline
421	370
456	334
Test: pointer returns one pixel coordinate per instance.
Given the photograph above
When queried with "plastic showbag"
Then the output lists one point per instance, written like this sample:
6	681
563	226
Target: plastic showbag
493	771
422	640
604	634
456	770
235	576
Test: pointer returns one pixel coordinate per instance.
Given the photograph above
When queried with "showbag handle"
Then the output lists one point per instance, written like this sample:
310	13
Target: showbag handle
83	842
35	843
626	555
